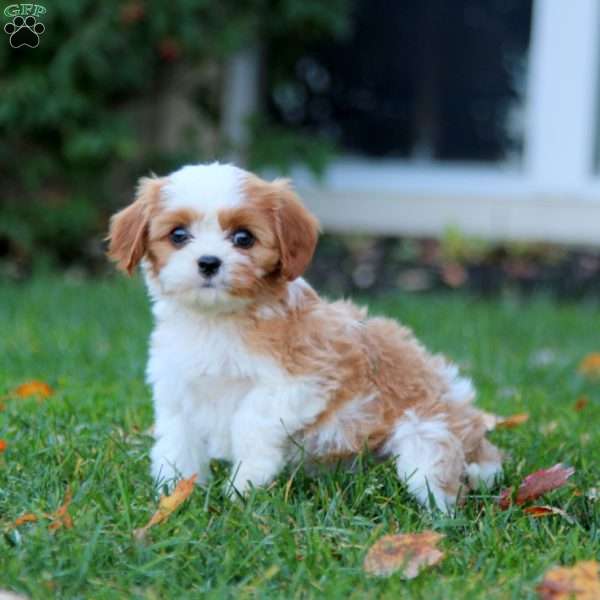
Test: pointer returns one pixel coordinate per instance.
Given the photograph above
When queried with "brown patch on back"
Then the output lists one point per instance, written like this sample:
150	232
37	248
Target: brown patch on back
128	235
354	357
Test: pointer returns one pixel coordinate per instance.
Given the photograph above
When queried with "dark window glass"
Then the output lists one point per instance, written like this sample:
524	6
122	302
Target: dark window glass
426	78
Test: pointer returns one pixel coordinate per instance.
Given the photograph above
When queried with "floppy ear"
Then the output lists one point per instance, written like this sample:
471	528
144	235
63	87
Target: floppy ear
297	231
128	235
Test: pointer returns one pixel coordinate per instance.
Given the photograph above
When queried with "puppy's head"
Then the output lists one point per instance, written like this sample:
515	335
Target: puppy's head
214	235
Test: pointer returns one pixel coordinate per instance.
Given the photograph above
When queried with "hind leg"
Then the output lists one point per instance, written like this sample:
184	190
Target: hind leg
429	458
485	465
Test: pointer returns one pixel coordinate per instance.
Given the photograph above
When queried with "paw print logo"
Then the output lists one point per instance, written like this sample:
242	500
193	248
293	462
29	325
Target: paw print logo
24	32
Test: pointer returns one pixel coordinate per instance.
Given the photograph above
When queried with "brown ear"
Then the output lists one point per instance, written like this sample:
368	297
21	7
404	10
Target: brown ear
297	230
128	233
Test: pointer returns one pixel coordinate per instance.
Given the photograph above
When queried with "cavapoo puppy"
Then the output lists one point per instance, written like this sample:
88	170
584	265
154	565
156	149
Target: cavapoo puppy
248	364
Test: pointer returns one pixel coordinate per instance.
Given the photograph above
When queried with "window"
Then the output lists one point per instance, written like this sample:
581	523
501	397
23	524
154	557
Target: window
430	79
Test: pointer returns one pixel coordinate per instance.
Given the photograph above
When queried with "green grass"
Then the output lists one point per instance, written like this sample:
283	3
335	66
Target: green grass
88	340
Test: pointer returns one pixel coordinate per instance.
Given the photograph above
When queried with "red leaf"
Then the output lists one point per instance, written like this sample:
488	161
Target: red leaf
537	484
546	511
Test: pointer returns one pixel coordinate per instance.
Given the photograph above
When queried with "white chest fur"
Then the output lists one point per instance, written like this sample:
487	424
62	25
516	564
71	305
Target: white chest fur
200	372
214	398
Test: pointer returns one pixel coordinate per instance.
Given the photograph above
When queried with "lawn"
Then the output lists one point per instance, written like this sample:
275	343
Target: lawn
305	539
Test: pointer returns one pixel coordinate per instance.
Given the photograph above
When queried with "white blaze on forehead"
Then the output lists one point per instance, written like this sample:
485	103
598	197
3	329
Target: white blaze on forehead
206	188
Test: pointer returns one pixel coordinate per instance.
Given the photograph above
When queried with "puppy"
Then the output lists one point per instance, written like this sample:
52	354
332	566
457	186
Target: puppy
248	364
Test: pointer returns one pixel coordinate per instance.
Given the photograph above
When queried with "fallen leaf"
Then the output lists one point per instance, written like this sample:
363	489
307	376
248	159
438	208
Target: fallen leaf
581	403
537	484
26	518
3	445
580	582
546	511
2	406
512	421
408	553
167	505
539	511
33	388
590	365
61	517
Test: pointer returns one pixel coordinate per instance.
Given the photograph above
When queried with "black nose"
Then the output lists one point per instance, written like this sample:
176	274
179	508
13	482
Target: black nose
209	265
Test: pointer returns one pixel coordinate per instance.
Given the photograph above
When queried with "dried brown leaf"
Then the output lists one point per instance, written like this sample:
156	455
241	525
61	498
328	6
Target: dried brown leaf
581	403
537	484
61	517
590	365
547	511
579	582
26	518
408	553
512	421
33	388
167	505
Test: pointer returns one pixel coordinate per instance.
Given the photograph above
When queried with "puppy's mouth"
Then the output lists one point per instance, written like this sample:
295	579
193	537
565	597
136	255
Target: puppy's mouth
218	285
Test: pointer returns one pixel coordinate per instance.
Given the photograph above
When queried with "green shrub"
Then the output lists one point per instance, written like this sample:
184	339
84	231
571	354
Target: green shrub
81	114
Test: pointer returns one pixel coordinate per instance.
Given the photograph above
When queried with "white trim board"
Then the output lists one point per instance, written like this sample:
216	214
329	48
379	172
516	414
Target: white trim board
562	97
390	198
388	213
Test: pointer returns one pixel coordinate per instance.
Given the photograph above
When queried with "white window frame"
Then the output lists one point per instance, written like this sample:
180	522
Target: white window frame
553	196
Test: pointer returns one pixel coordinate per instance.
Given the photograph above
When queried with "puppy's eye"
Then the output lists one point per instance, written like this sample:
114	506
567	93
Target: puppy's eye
179	236
242	238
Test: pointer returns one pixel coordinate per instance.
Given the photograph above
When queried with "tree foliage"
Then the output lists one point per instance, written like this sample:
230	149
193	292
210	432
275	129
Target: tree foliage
89	109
